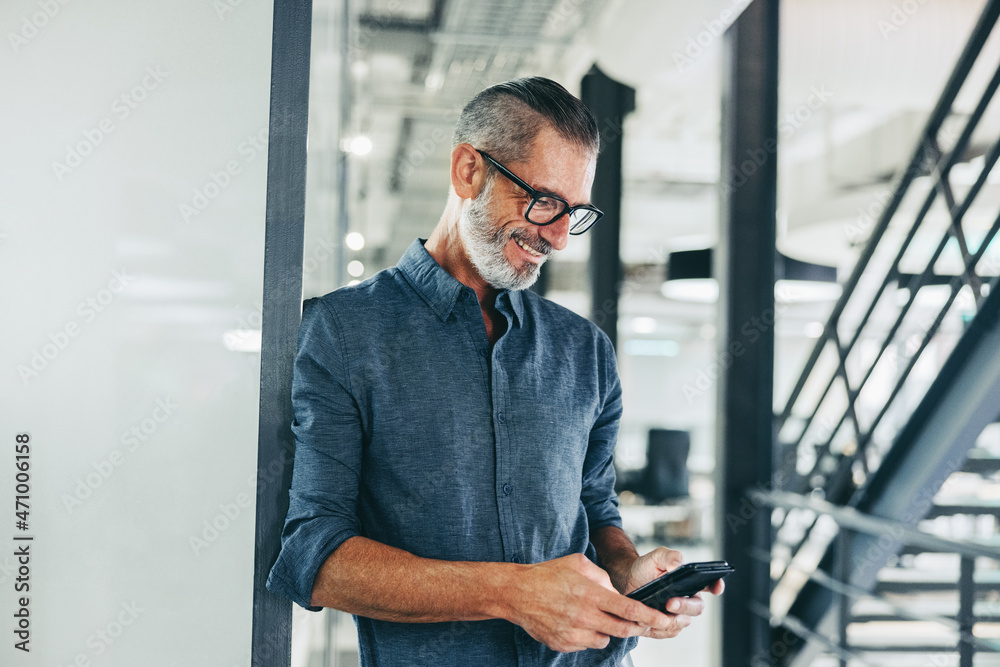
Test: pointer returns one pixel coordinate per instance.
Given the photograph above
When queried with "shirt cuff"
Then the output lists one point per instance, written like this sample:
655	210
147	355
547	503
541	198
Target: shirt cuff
304	549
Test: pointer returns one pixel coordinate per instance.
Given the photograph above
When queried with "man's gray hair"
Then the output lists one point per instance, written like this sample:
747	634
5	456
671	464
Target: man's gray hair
504	119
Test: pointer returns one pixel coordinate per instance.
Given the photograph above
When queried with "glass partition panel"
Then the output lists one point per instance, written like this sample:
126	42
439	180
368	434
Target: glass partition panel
131	259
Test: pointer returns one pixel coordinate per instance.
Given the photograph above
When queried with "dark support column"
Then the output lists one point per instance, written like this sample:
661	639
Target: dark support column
343	131
966	615
841	572
282	313
610	101
745	354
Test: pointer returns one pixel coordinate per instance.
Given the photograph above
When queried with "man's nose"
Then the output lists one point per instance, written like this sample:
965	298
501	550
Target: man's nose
557	234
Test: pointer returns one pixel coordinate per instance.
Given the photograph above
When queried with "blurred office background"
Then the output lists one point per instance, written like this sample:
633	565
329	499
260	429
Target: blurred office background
858	81
134	197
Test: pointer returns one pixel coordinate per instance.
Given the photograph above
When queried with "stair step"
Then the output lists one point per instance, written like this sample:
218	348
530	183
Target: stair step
893	618
902	648
981	462
954	506
870	610
992	542
903	580
907	587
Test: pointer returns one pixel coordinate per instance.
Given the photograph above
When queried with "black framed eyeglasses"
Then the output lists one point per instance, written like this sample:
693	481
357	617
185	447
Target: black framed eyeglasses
545	208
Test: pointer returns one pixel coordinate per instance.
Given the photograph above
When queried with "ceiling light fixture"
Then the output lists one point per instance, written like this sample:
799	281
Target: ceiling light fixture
355	241
643	325
690	278
359	145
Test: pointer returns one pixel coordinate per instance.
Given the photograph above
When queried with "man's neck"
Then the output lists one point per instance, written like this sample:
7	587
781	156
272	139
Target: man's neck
445	245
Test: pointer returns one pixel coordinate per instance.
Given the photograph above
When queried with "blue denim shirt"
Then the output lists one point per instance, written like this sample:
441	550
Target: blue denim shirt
412	432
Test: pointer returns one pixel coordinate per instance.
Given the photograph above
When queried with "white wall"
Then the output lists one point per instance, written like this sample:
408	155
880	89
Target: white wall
116	300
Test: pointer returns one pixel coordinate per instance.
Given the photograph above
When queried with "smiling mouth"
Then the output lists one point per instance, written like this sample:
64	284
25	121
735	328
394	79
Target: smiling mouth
528	249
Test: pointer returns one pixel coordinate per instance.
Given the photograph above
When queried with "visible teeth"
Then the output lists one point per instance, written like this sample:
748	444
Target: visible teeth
528	248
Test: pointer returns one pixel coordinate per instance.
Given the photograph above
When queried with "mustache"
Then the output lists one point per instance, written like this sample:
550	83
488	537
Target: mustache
538	244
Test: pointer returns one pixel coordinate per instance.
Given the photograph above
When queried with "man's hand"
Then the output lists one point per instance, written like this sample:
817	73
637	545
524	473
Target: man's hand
569	604
655	564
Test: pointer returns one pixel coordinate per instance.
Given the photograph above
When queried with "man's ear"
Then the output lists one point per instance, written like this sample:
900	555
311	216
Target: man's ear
467	171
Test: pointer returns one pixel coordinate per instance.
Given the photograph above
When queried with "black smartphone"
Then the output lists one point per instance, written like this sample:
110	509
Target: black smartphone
683	582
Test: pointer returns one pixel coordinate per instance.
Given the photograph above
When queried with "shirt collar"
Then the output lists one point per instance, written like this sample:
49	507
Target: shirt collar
439	288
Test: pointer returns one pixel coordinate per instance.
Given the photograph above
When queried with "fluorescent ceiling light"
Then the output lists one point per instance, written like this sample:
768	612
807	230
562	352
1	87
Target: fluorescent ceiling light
639	347
643	325
695	290
355	241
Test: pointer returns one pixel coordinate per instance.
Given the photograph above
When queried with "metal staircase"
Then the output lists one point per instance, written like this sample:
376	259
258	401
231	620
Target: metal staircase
867	437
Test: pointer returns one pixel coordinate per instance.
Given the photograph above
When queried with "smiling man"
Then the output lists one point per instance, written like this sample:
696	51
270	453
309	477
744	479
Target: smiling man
453	484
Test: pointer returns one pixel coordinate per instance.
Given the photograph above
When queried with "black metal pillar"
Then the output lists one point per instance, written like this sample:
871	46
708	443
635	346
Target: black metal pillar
282	312
610	101
966	615
745	355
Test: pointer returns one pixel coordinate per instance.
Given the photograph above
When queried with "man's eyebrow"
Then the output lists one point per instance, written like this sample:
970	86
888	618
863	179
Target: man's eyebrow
547	190
551	191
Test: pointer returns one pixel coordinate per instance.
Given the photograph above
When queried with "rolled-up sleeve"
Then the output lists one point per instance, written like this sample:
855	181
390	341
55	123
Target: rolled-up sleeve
322	510
598	491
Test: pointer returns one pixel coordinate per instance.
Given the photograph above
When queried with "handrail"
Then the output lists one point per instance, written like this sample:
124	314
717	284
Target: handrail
855	593
847	437
970	53
848	517
801	629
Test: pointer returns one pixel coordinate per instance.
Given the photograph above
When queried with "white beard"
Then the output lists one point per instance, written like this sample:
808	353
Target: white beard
485	244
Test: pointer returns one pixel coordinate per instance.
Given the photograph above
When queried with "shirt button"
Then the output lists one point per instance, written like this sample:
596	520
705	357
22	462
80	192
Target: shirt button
515	559
506	489
501	418
482	352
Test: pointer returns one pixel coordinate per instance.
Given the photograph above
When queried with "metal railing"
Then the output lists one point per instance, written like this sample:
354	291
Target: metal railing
838	424
841	440
849	523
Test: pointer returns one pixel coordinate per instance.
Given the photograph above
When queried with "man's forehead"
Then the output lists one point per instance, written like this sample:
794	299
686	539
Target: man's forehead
559	165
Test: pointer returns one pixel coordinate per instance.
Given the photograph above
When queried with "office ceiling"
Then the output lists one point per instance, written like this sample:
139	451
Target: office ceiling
858	78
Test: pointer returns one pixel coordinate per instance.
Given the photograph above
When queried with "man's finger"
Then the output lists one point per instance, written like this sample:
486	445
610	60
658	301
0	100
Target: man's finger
670	559
634	611
692	606
680	622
